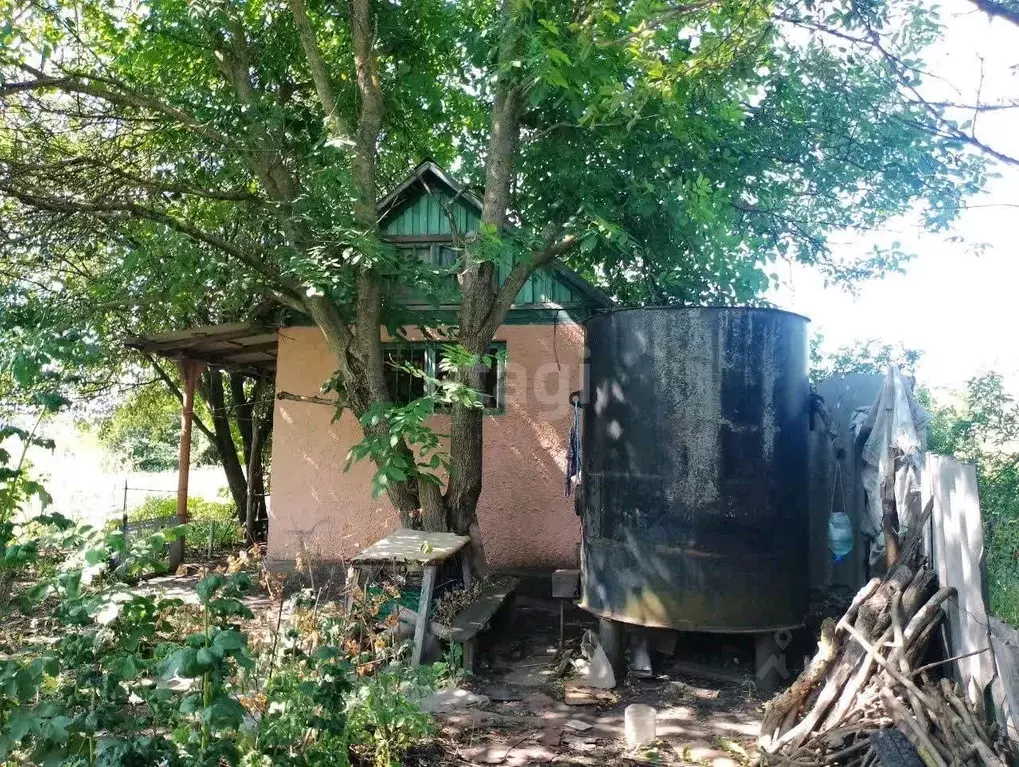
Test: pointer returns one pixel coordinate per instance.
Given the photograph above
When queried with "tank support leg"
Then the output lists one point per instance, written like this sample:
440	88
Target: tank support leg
640	653
770	669
613	640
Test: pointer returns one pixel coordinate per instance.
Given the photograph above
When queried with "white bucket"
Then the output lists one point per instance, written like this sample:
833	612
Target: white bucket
639	725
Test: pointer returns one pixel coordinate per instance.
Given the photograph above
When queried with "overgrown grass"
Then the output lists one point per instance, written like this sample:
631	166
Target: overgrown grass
227	532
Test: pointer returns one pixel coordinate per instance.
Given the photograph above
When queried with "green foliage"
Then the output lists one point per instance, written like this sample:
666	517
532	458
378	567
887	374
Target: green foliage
408	426
382	721
138	679
870	356
228	533
144	430
126	678
683	151
19	544
16	487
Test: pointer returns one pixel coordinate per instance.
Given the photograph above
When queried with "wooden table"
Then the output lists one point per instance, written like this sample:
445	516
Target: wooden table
427	549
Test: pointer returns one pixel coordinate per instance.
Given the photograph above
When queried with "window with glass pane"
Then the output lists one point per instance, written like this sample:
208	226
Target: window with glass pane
403	386
491	389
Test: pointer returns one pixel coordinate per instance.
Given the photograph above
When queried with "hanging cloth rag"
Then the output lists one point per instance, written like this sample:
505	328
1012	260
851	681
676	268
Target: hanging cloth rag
573	451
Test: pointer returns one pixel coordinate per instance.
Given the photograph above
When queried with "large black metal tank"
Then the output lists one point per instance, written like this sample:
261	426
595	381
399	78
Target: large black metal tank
694	457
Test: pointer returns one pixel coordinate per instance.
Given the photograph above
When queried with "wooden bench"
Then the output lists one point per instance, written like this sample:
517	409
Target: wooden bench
428	549
474	618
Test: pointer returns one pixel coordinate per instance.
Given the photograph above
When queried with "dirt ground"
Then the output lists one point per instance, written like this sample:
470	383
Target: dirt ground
522	673
526	722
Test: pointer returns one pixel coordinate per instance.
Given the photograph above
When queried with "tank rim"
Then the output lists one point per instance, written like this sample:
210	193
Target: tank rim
620	309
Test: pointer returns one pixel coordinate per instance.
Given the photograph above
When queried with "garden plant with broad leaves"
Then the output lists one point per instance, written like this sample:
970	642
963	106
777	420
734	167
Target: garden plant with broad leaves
158	153
110	673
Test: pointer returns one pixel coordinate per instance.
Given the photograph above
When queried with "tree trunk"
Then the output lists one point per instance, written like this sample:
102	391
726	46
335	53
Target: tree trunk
359	355
248	423
213	393
260	525
466	458
478	300
255	485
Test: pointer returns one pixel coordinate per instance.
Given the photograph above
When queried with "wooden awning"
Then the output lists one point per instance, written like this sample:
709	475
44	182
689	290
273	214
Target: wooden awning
239	347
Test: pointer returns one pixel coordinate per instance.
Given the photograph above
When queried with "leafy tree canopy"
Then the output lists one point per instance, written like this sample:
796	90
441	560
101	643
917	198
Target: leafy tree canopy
235	149
870	356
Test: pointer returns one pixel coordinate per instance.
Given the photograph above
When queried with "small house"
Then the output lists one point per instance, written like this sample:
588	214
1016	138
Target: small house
321	512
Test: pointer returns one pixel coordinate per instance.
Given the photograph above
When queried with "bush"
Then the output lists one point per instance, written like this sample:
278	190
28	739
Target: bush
130	678
382	722
228	533
112	676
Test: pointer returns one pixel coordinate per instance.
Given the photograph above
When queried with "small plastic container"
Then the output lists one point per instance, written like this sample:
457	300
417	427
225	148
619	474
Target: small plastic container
840	535
639	725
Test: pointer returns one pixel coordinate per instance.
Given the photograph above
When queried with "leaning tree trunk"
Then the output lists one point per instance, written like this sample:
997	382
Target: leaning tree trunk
212	392
246	409
466	467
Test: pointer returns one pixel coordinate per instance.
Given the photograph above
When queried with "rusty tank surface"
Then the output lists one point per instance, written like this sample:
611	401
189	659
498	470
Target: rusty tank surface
694	459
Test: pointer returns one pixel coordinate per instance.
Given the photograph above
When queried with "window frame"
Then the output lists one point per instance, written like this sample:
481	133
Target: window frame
432	349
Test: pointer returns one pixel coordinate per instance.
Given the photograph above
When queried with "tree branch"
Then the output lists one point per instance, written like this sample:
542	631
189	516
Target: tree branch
519	274
64	205
1002	9
237	195
941	127
116	92
319	73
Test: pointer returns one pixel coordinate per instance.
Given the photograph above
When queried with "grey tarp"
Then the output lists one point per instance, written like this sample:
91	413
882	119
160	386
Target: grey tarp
892	456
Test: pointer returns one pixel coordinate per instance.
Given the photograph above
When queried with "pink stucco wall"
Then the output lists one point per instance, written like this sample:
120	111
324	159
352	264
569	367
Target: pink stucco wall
322	512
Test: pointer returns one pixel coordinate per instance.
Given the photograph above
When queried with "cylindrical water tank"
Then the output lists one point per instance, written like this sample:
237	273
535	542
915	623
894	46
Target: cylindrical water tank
694	458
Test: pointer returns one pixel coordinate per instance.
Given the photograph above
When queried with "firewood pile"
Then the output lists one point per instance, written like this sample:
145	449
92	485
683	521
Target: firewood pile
866	678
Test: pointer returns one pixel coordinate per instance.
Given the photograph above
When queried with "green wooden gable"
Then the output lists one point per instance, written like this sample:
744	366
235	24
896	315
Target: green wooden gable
421	214
413	216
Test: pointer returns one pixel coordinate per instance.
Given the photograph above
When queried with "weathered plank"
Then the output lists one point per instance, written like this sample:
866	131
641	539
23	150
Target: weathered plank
424	605
473	619
419	546
958	558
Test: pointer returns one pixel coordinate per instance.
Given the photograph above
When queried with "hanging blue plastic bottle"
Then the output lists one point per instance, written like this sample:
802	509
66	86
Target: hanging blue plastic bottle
840	534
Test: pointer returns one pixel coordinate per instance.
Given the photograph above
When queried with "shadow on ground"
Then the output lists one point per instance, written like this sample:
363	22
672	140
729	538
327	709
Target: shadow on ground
527	722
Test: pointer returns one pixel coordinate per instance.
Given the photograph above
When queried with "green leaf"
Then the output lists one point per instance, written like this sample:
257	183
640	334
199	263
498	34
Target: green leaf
208	586
191	703
124	667
205	658
21	723
230	639
183	663
224	711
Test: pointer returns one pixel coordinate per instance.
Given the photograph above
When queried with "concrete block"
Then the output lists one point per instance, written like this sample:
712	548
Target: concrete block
566	584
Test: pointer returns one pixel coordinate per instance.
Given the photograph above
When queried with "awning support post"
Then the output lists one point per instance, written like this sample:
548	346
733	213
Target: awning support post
189	371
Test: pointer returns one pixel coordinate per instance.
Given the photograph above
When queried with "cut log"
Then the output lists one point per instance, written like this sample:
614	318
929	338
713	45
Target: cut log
862	681
909	727
784	707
